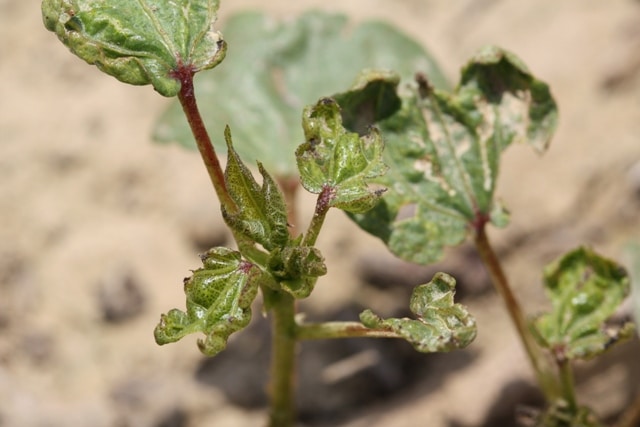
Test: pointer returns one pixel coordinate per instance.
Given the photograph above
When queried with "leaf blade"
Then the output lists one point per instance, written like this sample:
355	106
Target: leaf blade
219	297
262	216
342	162
441	325
585	290
444	149
139	42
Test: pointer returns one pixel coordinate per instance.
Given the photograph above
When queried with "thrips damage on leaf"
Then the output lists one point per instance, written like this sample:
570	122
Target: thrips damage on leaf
141	42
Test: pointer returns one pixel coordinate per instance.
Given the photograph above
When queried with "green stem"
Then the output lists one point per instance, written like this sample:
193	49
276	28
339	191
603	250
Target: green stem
190	107
567	384
283	359
542	366
331	330
322	207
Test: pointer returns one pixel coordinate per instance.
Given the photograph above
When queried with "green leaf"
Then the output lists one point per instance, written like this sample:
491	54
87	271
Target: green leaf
585	290
139	42
297	268
337	162
441	324
219	297
275	69
263	213
444	151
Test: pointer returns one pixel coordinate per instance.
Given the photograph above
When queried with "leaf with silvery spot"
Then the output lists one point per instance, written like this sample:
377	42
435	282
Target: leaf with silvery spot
444	150
139	42
585	290
441	324
219	297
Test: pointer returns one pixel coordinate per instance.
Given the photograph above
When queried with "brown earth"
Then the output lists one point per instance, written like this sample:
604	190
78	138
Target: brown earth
98	226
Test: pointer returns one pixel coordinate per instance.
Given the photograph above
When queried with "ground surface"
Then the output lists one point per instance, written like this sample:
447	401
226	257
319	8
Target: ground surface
98	226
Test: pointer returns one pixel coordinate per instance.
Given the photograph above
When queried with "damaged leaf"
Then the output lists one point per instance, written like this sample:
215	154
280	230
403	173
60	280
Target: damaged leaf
219	297
262	216
445	150
339	163
139	42
297	268
441	325
585	290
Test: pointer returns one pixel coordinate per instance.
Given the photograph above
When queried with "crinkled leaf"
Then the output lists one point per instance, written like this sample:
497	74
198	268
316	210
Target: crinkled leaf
297	269
219	297
139	42
441	325
339	162
444	150
585	290
263	214
275	69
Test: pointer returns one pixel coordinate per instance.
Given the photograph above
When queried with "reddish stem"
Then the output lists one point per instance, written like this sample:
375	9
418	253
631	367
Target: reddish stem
327	194
184	74
542	367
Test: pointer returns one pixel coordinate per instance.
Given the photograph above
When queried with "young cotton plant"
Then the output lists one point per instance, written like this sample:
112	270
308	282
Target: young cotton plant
431	187
165	43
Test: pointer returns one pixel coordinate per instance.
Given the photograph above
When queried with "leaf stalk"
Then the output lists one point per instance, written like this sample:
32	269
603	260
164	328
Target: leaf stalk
323	204
332	330
542	366
184	74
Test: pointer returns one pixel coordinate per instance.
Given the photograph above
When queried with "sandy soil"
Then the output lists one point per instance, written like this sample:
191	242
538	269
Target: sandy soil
98	226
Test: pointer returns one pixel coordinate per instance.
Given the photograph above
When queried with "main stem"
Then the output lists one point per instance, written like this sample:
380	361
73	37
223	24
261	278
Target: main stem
283	305
284	328
184	74
283	359
544	370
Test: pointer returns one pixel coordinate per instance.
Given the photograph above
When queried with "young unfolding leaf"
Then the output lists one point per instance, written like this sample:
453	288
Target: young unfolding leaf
337	162
276	68
297	269
441	324
263	214
219	297
585	290
139	42
445	149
